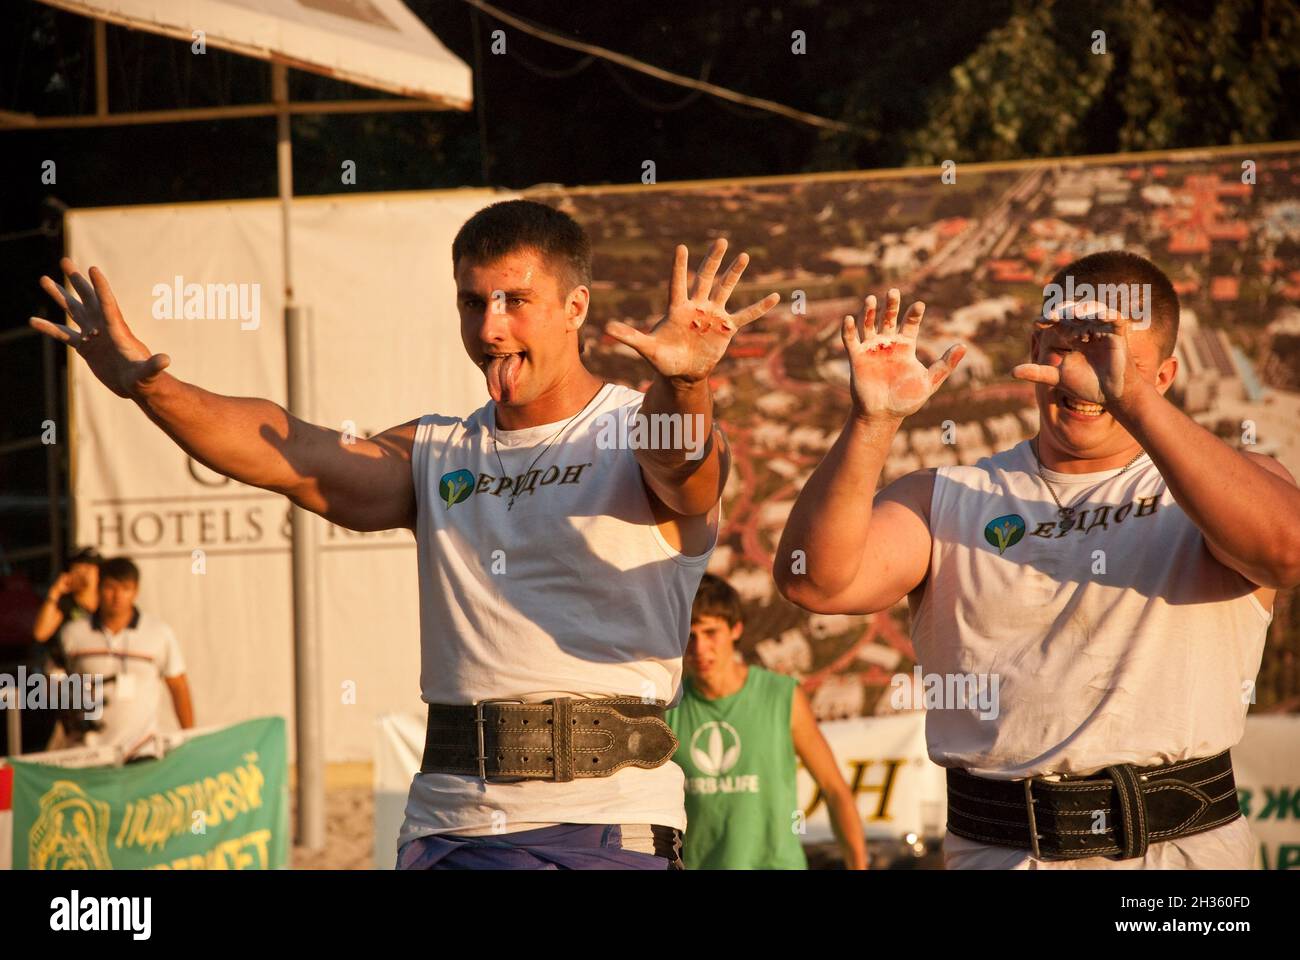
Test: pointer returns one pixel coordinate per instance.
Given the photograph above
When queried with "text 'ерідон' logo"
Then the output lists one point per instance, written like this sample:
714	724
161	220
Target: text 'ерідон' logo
1005	532
455	487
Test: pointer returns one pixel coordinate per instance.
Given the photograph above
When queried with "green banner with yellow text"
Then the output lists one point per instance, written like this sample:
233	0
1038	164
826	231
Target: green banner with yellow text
219	801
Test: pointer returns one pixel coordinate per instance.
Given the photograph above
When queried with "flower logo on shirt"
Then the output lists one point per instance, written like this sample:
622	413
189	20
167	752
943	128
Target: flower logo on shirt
1005	532
715	747
455	487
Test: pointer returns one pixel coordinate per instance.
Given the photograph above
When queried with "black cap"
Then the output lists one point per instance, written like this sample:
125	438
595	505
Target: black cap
86	555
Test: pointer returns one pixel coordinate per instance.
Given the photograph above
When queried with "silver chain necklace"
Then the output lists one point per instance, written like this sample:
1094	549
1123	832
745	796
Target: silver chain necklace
514	494
1067	513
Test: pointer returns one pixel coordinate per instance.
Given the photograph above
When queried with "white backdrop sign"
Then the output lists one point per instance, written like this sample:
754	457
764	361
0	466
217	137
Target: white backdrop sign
884	760
202	283
1267	768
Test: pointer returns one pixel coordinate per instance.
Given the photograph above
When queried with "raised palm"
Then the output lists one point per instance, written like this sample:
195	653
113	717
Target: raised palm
120	361
687	342
888	381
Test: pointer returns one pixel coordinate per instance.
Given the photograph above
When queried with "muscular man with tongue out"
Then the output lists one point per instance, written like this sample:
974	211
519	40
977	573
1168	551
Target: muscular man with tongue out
556	570
1109	579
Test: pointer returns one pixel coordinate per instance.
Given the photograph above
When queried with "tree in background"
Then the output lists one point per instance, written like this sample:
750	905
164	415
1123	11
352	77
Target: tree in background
1158	75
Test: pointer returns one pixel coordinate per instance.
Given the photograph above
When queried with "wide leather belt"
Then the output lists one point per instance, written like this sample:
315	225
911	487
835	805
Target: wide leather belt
1117	812
559	740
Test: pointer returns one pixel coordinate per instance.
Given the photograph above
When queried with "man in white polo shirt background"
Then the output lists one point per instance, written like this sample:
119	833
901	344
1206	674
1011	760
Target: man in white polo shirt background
135	654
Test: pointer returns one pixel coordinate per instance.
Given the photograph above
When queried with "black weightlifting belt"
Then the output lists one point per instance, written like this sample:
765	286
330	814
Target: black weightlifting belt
560	740
1117	812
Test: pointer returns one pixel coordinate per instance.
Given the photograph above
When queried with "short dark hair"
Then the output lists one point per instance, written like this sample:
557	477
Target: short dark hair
1122	267
119	568
85	555
716	598
513	225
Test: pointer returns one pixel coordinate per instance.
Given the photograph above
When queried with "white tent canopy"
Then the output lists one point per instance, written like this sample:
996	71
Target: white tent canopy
375	43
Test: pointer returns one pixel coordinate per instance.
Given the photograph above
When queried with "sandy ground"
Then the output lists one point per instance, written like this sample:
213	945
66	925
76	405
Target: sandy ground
349	821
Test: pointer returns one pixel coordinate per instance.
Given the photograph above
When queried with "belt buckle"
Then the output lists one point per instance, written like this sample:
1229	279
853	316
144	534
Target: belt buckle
1033	821
479	720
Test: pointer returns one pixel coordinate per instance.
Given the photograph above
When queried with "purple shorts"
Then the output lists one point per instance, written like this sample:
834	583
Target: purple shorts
568	846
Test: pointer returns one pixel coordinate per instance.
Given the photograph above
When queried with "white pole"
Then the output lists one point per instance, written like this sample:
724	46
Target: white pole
306	649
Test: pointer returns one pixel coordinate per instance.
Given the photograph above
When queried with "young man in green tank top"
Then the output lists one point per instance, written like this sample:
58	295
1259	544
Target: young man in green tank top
740	728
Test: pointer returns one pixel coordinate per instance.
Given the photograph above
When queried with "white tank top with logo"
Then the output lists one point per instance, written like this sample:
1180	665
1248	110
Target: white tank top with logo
1115	638
572	591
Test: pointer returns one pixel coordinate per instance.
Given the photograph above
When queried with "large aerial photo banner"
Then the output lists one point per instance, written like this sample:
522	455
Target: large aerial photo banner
978	249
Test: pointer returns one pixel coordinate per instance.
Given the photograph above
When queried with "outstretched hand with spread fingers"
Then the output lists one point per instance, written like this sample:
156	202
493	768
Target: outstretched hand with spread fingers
99	334
888	381
688	341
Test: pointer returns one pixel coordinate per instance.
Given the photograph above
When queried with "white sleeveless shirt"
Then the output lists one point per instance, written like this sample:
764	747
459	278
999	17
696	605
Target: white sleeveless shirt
1117	639
573	591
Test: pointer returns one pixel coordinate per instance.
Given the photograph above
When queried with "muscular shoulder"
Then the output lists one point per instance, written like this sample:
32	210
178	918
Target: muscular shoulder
1272	465
433	427
989	475
913	490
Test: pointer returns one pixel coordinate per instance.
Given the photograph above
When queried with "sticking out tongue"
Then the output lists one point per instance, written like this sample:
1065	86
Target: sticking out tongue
502	372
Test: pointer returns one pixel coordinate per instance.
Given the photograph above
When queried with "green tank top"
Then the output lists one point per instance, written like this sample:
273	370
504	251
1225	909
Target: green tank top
738	756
